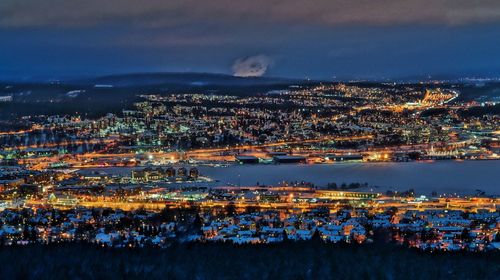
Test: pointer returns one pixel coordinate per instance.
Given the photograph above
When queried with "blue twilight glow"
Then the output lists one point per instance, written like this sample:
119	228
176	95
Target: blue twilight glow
316	39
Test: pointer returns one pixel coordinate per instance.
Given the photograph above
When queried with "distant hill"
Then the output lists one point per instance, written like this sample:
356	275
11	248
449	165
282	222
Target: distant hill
97	96
188	79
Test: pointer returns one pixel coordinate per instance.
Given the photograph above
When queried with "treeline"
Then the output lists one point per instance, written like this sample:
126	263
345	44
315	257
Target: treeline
288	260
344	186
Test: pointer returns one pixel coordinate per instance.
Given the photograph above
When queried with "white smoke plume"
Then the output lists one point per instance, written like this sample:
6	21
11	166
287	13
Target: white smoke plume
251	66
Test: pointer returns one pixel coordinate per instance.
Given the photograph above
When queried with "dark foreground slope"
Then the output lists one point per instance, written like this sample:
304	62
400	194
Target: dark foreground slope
308	260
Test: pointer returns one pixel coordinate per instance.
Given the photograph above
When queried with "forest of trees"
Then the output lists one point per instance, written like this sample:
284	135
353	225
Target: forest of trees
288	260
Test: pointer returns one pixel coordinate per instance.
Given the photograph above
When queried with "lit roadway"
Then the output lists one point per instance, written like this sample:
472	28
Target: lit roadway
472	204
209	153
62	144
219	154
242	147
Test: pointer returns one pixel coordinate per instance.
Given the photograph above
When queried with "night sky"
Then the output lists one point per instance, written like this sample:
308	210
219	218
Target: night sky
314	39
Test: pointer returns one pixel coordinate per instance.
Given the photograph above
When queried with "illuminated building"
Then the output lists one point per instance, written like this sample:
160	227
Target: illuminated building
327	194
289	159
247	159
182	172
194	173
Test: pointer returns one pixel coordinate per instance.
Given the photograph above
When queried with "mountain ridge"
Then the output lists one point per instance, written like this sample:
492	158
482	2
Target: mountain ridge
182	78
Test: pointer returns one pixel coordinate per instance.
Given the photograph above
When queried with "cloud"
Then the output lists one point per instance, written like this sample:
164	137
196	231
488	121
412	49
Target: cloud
160	13
251	66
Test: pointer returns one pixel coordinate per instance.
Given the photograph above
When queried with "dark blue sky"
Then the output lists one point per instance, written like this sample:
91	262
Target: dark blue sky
316	39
